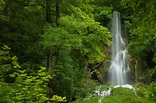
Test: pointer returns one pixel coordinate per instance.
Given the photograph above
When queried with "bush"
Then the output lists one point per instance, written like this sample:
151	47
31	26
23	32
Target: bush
25	88
152	91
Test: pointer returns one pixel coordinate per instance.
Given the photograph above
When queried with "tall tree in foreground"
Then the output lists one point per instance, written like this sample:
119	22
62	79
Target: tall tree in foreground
76	40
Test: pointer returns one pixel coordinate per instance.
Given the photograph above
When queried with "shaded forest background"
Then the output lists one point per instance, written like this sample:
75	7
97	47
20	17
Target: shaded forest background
53	50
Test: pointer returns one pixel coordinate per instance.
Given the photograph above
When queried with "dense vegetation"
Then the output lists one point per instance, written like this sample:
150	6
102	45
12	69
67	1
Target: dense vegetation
51	50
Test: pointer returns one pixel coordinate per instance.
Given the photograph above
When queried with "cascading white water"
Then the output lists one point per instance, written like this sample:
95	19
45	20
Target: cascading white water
119	69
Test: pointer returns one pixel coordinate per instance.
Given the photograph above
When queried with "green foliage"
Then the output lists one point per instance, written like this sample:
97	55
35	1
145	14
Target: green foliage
90	34
111	99
122	95
141	90
64	67
26	88
29	88
142	32
7	63
152	71
78	40
93	100
147	92
57	99
102	11
152	91
21	29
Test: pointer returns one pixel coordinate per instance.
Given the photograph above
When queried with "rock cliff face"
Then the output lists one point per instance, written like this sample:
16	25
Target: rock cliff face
138	71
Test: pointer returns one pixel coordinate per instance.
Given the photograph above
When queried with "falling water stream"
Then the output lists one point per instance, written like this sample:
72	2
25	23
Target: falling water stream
119	69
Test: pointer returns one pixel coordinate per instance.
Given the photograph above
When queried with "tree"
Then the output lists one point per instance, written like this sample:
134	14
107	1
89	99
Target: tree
76	40
142	30
21	30
61	35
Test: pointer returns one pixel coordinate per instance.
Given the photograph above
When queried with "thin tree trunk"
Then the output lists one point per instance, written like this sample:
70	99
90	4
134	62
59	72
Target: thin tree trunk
57	13
49	60
57	23
48	20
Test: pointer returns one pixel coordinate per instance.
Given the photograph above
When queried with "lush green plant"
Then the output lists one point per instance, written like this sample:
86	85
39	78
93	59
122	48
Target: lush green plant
77	41
57	99
142	31
145	94
122	95
91	100
152	71
141	90
152	91
29	88
74	37
7	64
26	88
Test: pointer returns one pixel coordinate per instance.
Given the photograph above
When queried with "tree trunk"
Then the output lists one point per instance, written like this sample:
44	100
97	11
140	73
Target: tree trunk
57	13
57	24
49	59
48	20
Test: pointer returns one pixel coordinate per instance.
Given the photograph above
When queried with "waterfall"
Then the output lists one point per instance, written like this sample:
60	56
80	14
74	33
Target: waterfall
119	68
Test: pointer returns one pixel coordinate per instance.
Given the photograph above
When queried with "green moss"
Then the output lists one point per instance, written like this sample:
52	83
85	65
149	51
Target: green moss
124	95
91	100
119	95
110	99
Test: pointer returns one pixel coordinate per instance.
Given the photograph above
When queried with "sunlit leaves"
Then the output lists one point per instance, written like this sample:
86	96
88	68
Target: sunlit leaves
14	62
29	88
54	36
26	88
6	62
56	99
81	32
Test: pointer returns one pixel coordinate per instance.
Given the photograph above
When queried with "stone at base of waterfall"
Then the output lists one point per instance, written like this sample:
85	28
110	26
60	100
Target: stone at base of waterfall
108	92
103	93
127	86
124	86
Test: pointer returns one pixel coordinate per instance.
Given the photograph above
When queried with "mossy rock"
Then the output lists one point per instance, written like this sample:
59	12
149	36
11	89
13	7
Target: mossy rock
119	95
